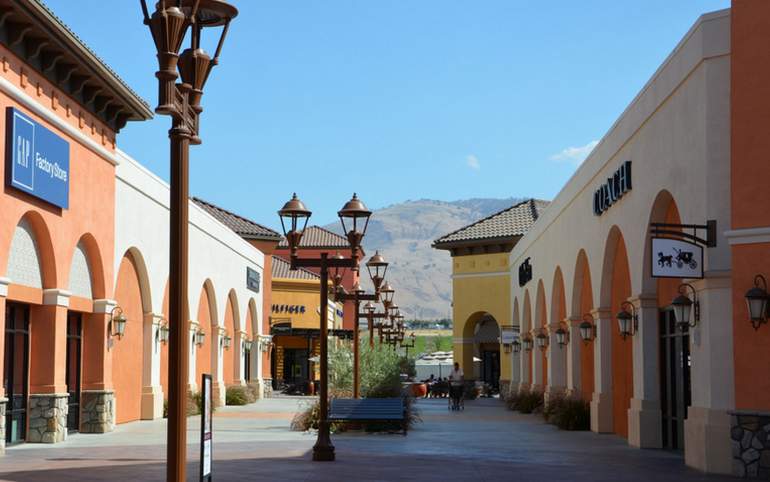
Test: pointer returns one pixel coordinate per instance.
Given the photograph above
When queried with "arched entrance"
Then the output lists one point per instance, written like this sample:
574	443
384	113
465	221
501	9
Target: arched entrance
485	333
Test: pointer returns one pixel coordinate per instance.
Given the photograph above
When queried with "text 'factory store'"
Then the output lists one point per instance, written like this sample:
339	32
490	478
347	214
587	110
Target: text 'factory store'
641	287
84	252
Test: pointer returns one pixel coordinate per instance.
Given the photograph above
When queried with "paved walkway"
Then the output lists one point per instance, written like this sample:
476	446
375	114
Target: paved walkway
485	442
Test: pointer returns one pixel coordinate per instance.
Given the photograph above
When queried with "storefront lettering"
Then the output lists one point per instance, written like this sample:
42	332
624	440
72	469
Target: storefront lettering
39	162
615	187
291	309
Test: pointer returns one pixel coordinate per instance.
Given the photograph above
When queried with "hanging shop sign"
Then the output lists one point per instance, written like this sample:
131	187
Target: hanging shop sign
252	279
674	258
206	431
610	192
508	335
37	160
525	272
677	249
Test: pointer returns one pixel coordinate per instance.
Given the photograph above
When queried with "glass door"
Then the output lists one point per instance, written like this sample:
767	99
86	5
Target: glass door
74	353
15	372
674	380
247	364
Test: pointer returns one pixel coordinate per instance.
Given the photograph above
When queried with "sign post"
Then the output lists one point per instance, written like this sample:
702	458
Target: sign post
206	432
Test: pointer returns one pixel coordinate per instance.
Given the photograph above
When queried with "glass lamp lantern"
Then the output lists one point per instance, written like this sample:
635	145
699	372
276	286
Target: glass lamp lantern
562	337
118	320
686	311
757	302
587	329
627	320
294	216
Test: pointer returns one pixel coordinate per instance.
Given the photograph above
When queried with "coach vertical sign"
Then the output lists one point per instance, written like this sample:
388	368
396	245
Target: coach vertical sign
37	160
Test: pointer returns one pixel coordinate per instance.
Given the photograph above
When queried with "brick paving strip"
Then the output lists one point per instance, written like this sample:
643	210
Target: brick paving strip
485	442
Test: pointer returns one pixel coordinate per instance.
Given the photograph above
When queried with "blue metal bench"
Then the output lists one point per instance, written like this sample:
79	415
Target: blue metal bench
368	410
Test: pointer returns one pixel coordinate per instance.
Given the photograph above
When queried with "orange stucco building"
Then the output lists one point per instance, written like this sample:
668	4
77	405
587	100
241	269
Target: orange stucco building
84	245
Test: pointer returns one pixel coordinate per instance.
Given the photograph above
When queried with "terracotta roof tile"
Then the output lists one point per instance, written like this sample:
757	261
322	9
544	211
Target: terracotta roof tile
282	269
245	228
318	237
513	221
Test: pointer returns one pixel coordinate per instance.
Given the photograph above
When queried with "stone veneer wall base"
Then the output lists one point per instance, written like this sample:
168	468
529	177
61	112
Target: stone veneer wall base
47	418
505	390
98	411
3	401
750	439
267	387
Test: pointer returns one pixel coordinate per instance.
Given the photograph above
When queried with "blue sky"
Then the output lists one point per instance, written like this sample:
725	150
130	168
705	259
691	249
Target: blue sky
395	99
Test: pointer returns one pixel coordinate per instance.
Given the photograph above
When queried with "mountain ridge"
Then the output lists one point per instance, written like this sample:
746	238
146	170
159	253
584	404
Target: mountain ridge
404	232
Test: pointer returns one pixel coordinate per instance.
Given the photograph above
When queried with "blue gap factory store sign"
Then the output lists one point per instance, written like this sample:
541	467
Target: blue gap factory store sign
37	160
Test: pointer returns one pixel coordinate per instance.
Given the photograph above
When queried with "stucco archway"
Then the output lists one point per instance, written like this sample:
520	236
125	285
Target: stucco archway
128	351
582	308
616	289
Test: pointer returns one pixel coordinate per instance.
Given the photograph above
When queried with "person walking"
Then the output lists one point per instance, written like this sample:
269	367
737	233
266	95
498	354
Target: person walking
456	379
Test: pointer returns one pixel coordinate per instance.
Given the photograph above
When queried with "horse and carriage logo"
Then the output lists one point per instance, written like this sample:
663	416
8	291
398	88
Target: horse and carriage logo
680	258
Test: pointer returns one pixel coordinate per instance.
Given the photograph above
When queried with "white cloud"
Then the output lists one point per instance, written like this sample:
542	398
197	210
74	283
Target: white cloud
574	155
473	162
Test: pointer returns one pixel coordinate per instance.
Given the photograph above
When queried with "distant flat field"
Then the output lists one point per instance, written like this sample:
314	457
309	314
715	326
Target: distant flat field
430	332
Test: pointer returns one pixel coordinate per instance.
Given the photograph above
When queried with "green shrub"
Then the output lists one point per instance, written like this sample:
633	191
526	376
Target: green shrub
570	413
238	395
381	369
194	403
526	401
471	391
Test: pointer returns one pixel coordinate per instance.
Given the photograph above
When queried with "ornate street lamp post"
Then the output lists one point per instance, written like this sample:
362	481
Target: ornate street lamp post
377	267
294	214
169	23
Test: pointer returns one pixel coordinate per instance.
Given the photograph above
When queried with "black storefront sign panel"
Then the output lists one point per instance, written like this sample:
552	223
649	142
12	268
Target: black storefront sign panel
252	279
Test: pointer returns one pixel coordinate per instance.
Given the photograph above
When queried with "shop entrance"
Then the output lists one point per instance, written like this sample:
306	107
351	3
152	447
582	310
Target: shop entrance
247	362
295	366
490	366
74	356
674	380
16	371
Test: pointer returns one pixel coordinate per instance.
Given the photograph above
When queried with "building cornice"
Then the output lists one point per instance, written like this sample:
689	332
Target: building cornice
32	32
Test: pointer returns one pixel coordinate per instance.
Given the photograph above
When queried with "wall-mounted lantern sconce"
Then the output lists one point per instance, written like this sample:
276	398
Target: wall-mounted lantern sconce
247	344
562	336
266	344
163	332
118	322
507	347
588	329
226	342
541	339
628	321
526	342
686	311
757	301
516	346
200	337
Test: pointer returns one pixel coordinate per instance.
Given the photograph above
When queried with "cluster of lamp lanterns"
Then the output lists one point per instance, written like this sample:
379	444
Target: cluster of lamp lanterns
118	321
354	217
686	315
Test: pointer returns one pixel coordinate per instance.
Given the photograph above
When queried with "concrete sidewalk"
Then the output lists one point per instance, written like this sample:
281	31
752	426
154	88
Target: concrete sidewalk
485	442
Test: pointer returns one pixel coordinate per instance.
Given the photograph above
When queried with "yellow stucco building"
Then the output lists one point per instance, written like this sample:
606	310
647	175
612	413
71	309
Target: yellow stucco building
295	325
481	290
